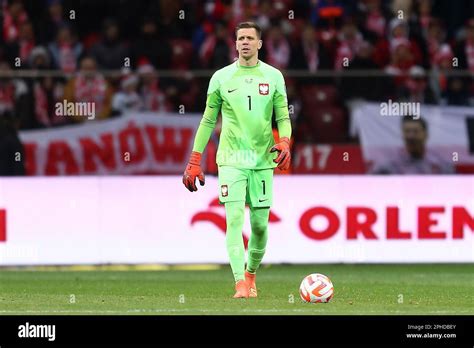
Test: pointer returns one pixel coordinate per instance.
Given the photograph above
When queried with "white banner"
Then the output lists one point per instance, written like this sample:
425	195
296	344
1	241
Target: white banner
138	143
381	136
329	219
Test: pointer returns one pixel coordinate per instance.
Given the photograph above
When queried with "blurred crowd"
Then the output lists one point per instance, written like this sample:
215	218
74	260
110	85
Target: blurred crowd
119	54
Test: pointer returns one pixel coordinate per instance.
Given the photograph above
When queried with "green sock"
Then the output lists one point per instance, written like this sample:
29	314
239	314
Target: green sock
258	237
235	212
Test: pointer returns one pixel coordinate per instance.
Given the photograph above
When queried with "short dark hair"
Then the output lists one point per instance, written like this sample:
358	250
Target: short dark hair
245	25
419	120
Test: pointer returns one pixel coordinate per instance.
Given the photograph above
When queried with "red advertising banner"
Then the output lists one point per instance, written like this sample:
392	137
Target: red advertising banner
142	143
328	159
3	225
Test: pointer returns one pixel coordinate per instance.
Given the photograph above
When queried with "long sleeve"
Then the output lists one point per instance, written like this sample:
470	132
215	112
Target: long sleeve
280	105
209	119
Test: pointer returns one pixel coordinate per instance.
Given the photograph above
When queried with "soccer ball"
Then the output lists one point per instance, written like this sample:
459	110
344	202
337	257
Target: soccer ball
316	288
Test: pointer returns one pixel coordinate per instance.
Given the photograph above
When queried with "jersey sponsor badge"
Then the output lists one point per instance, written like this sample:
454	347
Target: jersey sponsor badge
263	88
224	190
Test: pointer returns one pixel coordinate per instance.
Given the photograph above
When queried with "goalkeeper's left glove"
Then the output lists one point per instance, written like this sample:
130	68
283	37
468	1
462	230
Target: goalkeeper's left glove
193	170
284	155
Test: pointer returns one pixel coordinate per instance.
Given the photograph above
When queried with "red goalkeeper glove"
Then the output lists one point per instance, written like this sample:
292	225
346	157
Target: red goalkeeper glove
193	170
284	155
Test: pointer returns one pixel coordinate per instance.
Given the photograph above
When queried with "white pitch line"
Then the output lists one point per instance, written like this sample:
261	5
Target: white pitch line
210	311
154	311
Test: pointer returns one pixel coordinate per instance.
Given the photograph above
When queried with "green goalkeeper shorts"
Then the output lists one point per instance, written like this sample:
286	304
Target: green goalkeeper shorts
255	187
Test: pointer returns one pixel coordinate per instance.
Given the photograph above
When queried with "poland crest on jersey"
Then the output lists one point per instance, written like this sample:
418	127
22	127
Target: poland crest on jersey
263	88
224	190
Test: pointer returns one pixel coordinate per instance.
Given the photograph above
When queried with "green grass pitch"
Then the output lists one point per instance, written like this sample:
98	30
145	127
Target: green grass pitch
359	289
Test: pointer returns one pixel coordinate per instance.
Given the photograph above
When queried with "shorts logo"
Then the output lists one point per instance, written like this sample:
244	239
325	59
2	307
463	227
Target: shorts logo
263	88
224	190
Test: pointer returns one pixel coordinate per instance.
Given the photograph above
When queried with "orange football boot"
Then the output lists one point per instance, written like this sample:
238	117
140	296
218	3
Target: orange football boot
242	290
250	279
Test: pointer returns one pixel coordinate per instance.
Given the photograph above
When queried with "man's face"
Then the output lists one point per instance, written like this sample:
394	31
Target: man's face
26	31
64	35
56	9
112	32
88	68
399	31
247	43
415	138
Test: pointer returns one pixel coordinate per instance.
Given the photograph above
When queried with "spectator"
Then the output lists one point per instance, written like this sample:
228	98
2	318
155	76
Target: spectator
380	87
39	59
89	86
21	48
152	98
416	88
350	40
241	11
402	59
127	99
14	96
220	10
398	32
46	93
218	50
110	52
52	21
421	17
265	14
425	17
12	153
13	17
435	37
66	51
169	22
375	21
414	158
449	89
277	48
307	54
149	45
465	48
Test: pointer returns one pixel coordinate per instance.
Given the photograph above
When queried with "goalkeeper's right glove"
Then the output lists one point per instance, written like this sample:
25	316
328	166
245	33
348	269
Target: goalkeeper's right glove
193	170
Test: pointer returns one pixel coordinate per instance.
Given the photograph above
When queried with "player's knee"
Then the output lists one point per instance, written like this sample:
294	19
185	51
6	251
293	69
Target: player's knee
259	227
235	223
234	216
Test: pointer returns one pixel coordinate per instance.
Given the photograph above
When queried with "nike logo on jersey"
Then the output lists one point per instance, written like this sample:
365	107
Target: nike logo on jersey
231	90
262	200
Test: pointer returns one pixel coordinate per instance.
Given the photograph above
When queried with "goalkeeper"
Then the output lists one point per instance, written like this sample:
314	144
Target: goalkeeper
246	93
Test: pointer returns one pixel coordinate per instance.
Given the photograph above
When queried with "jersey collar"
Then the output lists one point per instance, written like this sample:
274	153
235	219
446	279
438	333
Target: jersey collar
247	67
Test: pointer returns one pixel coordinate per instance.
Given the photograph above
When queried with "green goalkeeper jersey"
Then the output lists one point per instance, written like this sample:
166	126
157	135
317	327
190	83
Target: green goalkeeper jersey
246	98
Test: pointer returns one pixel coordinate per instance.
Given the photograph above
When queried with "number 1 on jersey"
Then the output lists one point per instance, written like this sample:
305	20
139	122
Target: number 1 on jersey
250	102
